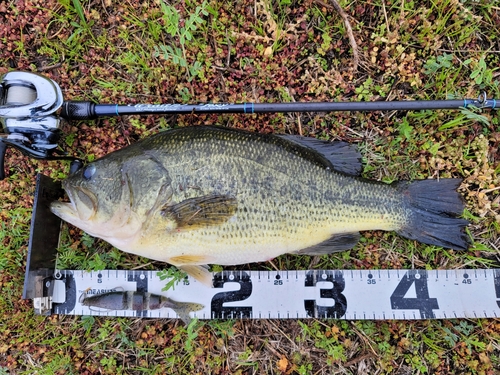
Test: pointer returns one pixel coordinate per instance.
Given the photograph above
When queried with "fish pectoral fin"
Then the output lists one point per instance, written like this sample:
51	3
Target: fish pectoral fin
201	211
338	242
199	273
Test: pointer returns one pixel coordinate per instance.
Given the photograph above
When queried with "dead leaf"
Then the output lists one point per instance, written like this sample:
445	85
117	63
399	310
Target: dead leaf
483	357
268	51
283	364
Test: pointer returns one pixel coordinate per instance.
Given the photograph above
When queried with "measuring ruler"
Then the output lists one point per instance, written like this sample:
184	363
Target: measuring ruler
340	294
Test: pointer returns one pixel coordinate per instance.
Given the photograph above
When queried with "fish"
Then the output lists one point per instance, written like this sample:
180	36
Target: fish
138	301
200	195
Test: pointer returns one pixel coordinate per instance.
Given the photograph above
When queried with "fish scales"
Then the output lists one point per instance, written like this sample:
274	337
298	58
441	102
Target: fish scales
201	195
284	194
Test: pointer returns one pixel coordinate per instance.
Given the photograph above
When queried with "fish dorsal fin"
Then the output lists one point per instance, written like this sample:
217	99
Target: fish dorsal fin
338	242
201	211
340	156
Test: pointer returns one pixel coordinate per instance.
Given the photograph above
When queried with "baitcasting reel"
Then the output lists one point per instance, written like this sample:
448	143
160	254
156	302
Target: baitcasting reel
28	105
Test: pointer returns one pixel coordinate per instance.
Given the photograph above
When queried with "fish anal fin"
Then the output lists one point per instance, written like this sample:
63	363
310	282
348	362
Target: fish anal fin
199	273
201	211
338	242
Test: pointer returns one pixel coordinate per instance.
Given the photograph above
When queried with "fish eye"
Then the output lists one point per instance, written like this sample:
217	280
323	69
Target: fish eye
88	171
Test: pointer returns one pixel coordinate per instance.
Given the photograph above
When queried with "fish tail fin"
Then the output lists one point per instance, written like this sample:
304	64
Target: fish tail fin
435	206
183	309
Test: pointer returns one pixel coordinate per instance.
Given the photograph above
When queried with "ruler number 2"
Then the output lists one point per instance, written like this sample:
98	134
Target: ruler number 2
421	302
218	309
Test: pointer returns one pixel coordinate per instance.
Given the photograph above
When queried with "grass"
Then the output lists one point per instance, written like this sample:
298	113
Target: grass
290	50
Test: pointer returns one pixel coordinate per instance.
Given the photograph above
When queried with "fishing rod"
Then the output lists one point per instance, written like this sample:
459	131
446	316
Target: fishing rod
87	110
32	106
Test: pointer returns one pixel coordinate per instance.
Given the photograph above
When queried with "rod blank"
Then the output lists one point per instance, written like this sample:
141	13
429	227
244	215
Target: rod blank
87	110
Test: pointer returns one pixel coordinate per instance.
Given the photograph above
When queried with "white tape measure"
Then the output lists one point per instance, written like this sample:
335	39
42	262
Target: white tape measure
341	294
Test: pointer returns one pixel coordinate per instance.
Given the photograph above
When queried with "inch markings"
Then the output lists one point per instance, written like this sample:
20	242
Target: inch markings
338	294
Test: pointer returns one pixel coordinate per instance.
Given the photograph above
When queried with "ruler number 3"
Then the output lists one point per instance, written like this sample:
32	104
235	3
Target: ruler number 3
335	292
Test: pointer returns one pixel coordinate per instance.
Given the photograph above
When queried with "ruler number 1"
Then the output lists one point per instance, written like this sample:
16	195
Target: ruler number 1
141	282
421	302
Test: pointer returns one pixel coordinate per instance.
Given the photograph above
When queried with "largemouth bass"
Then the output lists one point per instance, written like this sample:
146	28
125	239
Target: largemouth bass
208	195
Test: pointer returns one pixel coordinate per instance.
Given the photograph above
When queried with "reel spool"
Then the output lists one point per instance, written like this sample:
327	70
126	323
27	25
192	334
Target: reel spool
20	95
28	105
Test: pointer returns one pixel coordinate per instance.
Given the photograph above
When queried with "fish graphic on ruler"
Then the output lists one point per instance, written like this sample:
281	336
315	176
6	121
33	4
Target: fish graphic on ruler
208	195
138	301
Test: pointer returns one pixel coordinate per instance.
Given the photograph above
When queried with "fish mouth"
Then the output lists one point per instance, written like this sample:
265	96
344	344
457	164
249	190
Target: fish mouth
82	205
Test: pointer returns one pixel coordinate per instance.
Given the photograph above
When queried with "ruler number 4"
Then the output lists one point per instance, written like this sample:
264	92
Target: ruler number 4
421	302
